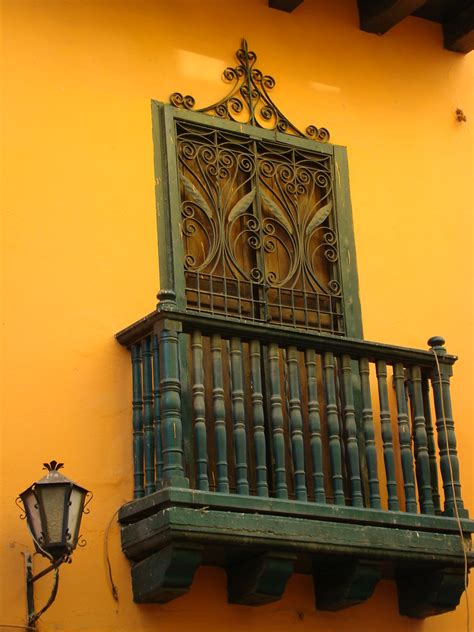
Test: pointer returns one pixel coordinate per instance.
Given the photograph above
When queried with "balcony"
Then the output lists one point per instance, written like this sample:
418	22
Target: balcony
268	451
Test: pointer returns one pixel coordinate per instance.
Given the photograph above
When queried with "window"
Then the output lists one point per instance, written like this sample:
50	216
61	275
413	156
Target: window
256	223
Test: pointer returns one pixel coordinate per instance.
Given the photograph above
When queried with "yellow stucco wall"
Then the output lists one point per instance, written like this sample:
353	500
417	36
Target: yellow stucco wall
80	256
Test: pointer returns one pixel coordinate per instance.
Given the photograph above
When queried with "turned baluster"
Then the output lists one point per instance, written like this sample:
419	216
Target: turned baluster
385	422
238	416
170	400
199	409
157	412
220	432
351	433
369	434
333	429
425	387
258	419
315	427
137	421
449	461
421	444
404	436
148	431
276	415
296	424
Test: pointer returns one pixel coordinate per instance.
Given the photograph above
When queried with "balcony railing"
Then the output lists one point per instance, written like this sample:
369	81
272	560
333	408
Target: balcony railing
270	450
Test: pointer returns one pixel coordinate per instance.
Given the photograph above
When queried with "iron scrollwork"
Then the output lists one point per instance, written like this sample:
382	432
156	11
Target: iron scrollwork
258	229
248	100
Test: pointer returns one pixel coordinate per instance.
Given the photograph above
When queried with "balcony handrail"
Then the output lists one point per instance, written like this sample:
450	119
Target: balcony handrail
246	330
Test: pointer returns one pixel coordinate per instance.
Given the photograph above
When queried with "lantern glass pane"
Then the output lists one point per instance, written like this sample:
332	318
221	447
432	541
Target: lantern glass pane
54	504
76	505
33	516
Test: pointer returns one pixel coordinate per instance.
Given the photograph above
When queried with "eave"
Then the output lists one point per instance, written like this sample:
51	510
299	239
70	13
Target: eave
456	17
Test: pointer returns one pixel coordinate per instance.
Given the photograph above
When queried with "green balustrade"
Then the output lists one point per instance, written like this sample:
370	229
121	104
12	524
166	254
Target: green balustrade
305	432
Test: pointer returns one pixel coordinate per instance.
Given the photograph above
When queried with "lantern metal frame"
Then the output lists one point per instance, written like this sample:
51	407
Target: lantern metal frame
59	551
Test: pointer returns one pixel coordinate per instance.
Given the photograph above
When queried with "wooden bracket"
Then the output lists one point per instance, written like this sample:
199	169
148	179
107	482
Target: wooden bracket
259	580
344	583
166	574
427	594
378	16
284	5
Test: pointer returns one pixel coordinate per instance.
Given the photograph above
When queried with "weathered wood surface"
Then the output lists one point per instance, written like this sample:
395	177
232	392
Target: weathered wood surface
291	534
144	507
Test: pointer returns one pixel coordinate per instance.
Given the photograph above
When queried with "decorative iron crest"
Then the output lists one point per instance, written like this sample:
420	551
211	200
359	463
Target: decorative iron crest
248	100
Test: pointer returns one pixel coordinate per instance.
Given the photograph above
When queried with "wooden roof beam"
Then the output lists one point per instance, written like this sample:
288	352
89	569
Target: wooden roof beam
284	5
379	16
459	31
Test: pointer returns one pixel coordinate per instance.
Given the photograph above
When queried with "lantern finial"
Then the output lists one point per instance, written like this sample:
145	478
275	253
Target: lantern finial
53	466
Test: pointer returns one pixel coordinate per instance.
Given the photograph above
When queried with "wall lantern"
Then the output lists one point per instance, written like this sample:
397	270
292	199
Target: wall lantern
53	509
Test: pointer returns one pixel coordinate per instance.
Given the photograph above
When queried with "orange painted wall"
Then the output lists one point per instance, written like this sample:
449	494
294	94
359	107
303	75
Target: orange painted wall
80	262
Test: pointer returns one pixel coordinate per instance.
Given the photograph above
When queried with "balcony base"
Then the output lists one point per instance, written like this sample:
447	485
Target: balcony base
262	541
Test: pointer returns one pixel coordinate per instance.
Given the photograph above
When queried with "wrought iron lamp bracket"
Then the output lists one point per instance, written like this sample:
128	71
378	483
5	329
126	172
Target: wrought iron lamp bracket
248	100
30	579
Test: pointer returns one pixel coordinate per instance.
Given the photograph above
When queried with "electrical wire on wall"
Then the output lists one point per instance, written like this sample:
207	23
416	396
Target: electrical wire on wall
107	564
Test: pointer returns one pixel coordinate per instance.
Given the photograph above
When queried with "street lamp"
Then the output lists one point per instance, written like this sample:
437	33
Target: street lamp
53	507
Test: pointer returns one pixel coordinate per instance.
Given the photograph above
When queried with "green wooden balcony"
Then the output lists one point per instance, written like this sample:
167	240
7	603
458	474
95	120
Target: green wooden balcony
270	450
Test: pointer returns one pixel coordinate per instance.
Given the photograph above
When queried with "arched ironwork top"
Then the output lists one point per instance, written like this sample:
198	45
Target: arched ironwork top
248	100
